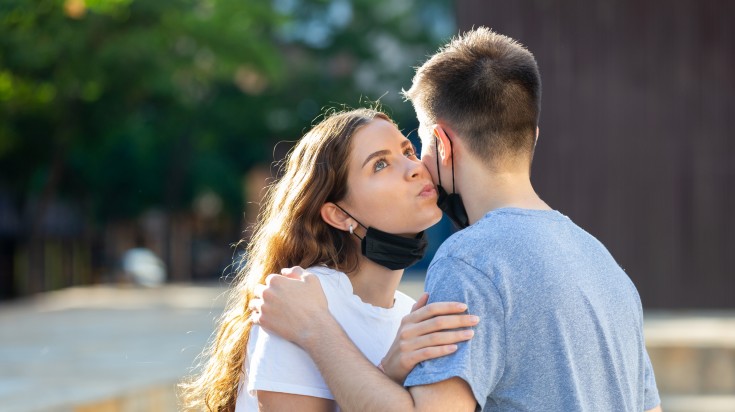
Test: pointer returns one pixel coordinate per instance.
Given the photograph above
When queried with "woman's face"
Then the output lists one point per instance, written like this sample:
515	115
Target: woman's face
388	186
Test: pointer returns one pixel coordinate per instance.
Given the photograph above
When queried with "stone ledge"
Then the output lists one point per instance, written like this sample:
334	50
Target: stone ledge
698	403
108	349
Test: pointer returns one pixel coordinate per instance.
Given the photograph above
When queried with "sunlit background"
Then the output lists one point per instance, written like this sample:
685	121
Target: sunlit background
136	138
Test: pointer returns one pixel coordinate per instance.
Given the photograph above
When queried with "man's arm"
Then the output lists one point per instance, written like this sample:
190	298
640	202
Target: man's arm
279	401
428	332
355	383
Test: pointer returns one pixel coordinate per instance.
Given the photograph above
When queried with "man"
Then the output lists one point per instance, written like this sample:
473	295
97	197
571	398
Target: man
560	322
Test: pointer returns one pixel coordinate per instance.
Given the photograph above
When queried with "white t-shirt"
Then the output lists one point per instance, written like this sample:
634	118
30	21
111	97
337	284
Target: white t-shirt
274	364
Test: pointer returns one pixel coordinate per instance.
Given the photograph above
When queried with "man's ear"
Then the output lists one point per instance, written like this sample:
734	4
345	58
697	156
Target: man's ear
443	144
335	217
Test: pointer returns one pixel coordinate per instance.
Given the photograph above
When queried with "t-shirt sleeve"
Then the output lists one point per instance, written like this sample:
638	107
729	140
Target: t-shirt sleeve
480	361
278	365
650	397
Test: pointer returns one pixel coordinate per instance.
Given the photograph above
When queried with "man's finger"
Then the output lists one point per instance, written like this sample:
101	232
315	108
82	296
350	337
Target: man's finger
311	278
255	318
269	277
255	304
293	272
258	290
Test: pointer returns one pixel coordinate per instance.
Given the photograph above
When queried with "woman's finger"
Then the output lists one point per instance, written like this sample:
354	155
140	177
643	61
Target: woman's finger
443	323
421	302
436	309
438	339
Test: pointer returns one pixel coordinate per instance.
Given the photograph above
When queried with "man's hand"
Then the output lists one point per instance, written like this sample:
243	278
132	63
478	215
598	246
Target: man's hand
425	334
289	305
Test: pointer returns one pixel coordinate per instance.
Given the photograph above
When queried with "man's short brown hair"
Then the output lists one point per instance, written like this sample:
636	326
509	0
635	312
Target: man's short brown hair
487	88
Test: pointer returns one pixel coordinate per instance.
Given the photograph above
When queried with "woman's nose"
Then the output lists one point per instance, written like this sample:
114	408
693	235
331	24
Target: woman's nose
414	168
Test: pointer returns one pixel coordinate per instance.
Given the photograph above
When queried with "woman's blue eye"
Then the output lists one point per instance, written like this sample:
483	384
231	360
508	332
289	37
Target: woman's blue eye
410	152
380	165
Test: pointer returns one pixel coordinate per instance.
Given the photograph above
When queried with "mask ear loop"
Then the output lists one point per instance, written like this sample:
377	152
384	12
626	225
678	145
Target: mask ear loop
438	170
352	230
450	148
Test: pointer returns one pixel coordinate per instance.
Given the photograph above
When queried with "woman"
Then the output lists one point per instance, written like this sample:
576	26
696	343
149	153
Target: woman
352	207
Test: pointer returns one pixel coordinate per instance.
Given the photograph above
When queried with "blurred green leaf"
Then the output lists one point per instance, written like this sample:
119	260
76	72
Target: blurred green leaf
128	104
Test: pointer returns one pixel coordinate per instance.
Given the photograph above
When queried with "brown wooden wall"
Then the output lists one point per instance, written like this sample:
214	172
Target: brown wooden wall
637	143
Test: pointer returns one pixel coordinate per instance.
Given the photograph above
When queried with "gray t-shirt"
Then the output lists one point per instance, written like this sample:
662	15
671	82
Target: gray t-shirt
561	324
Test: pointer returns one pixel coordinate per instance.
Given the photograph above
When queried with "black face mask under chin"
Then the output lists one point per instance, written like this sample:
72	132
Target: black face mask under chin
450	204
389	250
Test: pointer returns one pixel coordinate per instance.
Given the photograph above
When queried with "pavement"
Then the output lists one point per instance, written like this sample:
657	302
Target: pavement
99	348
123	349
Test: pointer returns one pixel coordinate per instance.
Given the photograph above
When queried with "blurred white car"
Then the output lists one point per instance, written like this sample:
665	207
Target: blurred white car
144	267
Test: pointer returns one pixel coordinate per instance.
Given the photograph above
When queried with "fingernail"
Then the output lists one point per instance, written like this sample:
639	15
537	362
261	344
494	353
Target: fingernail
468	333
452	348
474	319
461	306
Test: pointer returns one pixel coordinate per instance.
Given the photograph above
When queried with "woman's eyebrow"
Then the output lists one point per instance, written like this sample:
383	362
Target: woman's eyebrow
374	155
385	152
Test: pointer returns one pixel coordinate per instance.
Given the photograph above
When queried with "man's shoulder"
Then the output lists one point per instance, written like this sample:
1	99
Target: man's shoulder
472	246
467	240
451	275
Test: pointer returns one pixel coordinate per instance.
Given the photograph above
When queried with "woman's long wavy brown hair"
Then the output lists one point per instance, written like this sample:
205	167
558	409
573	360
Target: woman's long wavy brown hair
289	232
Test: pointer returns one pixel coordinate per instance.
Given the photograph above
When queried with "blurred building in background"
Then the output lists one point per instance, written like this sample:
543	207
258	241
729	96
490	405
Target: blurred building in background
165	119
154	126
636	143
126	118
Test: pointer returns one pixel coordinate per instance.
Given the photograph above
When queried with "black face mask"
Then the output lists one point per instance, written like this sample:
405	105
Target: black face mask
389	250
450	204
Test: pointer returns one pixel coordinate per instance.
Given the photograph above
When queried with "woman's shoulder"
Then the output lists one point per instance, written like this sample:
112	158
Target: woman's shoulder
339	292
327	276
334	282
403	302
321	270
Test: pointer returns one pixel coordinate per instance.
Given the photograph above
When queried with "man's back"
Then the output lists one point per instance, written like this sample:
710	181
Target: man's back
561	324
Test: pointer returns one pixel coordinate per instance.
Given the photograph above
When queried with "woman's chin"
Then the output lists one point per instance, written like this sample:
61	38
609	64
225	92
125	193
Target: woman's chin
436	216
433	220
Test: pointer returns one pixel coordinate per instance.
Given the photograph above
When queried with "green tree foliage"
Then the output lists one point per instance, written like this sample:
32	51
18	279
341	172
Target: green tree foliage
122	105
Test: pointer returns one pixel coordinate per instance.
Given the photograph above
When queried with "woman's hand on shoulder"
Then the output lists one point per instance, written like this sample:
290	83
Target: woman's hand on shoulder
428	332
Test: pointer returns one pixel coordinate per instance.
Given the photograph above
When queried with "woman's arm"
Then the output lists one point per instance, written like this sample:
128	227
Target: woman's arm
428	332
354	381
280	402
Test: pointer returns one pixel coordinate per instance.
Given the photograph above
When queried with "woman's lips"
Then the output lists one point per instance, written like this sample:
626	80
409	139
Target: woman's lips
427	191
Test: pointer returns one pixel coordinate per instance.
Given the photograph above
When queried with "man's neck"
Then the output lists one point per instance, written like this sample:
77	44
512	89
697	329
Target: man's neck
483	190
